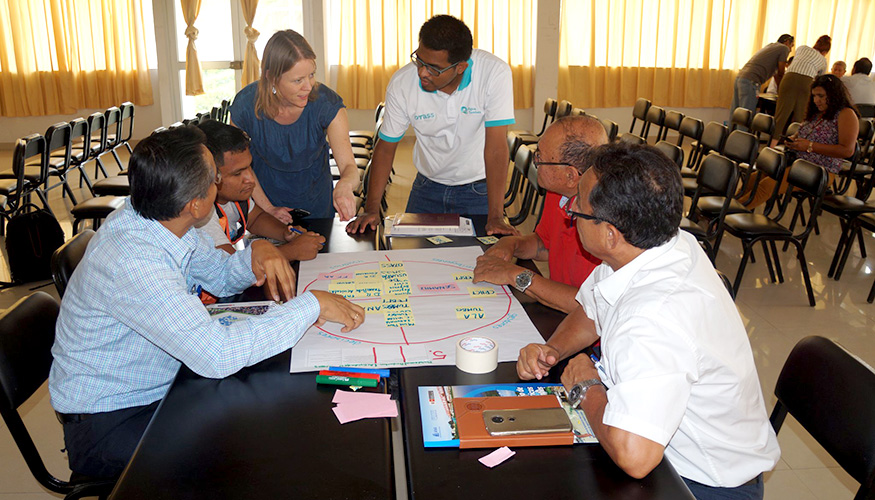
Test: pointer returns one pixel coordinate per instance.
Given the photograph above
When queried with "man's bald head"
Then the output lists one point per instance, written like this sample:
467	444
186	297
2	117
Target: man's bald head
579	135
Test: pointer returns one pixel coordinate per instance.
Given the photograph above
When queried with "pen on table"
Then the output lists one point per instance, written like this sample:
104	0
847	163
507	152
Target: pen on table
598	366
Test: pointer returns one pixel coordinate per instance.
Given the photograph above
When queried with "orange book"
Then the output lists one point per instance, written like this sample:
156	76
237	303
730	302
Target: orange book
472	429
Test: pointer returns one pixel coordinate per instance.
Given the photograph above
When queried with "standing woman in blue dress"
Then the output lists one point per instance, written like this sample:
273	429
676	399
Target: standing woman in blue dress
288	114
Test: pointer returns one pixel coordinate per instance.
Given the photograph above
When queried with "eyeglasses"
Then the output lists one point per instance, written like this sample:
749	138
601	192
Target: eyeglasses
580	215
432	70
536	160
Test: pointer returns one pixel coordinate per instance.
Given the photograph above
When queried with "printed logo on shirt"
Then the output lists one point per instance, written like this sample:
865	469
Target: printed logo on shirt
470	110
424	116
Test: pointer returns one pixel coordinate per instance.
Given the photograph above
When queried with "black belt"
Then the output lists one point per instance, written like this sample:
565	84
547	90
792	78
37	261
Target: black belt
72	418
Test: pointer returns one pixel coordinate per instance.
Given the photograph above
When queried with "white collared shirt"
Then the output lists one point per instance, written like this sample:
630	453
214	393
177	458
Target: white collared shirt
861	88
450	128
679	364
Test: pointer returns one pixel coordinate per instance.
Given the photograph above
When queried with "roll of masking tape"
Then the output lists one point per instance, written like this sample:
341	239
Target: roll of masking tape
476	354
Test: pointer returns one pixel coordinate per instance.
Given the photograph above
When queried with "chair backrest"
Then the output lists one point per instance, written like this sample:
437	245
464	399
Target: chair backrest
690	127
31	149
113	126
59	136
79	130
550	107
717	175
810	182
67	257
655	116
578	112
674	153
127	121
226	110
831	393
563	109
864	135
741	146
98	130
611	128
639	111
741	117
27	332
866	110
793	128
523	160
763	124
770	163
513	143
714	136
632	138
672	121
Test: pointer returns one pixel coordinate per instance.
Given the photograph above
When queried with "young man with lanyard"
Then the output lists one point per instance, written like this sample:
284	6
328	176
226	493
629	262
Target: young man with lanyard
236	214
561	158
459	101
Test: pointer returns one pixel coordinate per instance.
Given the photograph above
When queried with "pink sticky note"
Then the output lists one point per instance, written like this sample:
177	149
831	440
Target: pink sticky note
351	397
344	414
357	405
496	457
438	288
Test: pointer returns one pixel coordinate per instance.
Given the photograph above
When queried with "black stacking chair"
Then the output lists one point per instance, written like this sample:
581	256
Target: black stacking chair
578	112
127	126
866	110
763	124
806	178
831	393
113	126
59	140
741	118
27	332
513	144
673	152
656	117
848	209
563	109
690	127
853	168
31	150
631	139
99	132
673	121
742	147
611	128
226	110
713	138
523	164
67	257
639	112
717	176
529	137
867	222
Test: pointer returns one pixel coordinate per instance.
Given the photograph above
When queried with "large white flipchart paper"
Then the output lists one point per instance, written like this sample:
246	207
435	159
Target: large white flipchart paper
418	304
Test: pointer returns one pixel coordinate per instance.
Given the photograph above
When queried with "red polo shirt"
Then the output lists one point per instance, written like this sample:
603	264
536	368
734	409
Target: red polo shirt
569	263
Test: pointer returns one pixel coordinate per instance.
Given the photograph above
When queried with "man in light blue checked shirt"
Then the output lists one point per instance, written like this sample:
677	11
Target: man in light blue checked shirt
129	317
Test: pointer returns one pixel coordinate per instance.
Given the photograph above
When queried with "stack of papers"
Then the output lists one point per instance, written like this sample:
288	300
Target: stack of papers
465	228
353	406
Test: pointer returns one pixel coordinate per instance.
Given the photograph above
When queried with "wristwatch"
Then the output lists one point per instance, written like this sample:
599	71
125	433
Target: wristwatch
576	394
810	146
523	280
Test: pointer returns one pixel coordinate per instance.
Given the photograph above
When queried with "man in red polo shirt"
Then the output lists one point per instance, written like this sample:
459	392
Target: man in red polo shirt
561	160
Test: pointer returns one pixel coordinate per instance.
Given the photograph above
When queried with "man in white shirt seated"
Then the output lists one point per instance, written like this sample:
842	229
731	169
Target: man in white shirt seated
131	315
860	86
677	376
236	214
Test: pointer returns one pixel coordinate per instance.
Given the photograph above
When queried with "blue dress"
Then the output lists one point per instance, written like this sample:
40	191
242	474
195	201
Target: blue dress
291	161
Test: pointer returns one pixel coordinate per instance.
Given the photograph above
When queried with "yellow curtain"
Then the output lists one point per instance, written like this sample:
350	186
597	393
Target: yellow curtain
50	62
376	38
194	84
686	53
251	70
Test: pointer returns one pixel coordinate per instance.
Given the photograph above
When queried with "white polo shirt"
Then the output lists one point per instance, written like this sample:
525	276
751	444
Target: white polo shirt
450	128
679	365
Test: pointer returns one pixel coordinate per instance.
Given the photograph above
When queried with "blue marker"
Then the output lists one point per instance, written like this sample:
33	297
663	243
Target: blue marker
295	230
379	371
598	366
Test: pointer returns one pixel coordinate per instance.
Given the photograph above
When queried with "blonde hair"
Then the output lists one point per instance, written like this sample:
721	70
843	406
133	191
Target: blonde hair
284	49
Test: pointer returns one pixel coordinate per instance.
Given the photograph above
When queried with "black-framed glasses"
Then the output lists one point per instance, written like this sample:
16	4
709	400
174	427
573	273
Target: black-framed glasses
536	160
432	70
580	215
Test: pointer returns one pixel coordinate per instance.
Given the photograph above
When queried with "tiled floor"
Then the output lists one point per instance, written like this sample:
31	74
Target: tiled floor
776	316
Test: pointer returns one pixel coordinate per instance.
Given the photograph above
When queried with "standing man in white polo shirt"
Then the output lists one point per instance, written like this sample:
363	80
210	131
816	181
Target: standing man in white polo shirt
460	102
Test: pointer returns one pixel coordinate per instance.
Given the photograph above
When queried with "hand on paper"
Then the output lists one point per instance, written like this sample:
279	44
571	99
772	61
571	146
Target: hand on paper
494	270
362	222
272	268
536	360
498	225
303	246
579	368
337	309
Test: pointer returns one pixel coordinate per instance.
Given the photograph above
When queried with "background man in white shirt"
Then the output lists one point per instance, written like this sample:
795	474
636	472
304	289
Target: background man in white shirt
860	86
677	377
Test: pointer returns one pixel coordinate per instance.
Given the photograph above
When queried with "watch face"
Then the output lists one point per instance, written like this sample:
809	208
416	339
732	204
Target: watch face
523	280
574	395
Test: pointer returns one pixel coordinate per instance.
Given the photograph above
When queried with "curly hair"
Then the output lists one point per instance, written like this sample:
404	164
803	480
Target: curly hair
837	97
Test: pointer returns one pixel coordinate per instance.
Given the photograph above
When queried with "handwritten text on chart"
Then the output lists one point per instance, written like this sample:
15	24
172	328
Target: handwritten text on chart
438	287
463	312
335	276
479	291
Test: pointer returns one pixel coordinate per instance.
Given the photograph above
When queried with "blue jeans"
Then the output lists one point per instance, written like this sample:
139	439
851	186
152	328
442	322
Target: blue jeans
751	490
744	94
429	197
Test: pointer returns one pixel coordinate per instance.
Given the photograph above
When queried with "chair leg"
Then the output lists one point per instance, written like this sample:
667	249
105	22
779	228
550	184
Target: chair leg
777	261
117	160
849	243
741	267
66	189
843	239
800	254
769	262
862	244
871	297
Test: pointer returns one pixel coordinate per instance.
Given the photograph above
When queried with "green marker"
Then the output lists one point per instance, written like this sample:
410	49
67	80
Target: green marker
340	380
